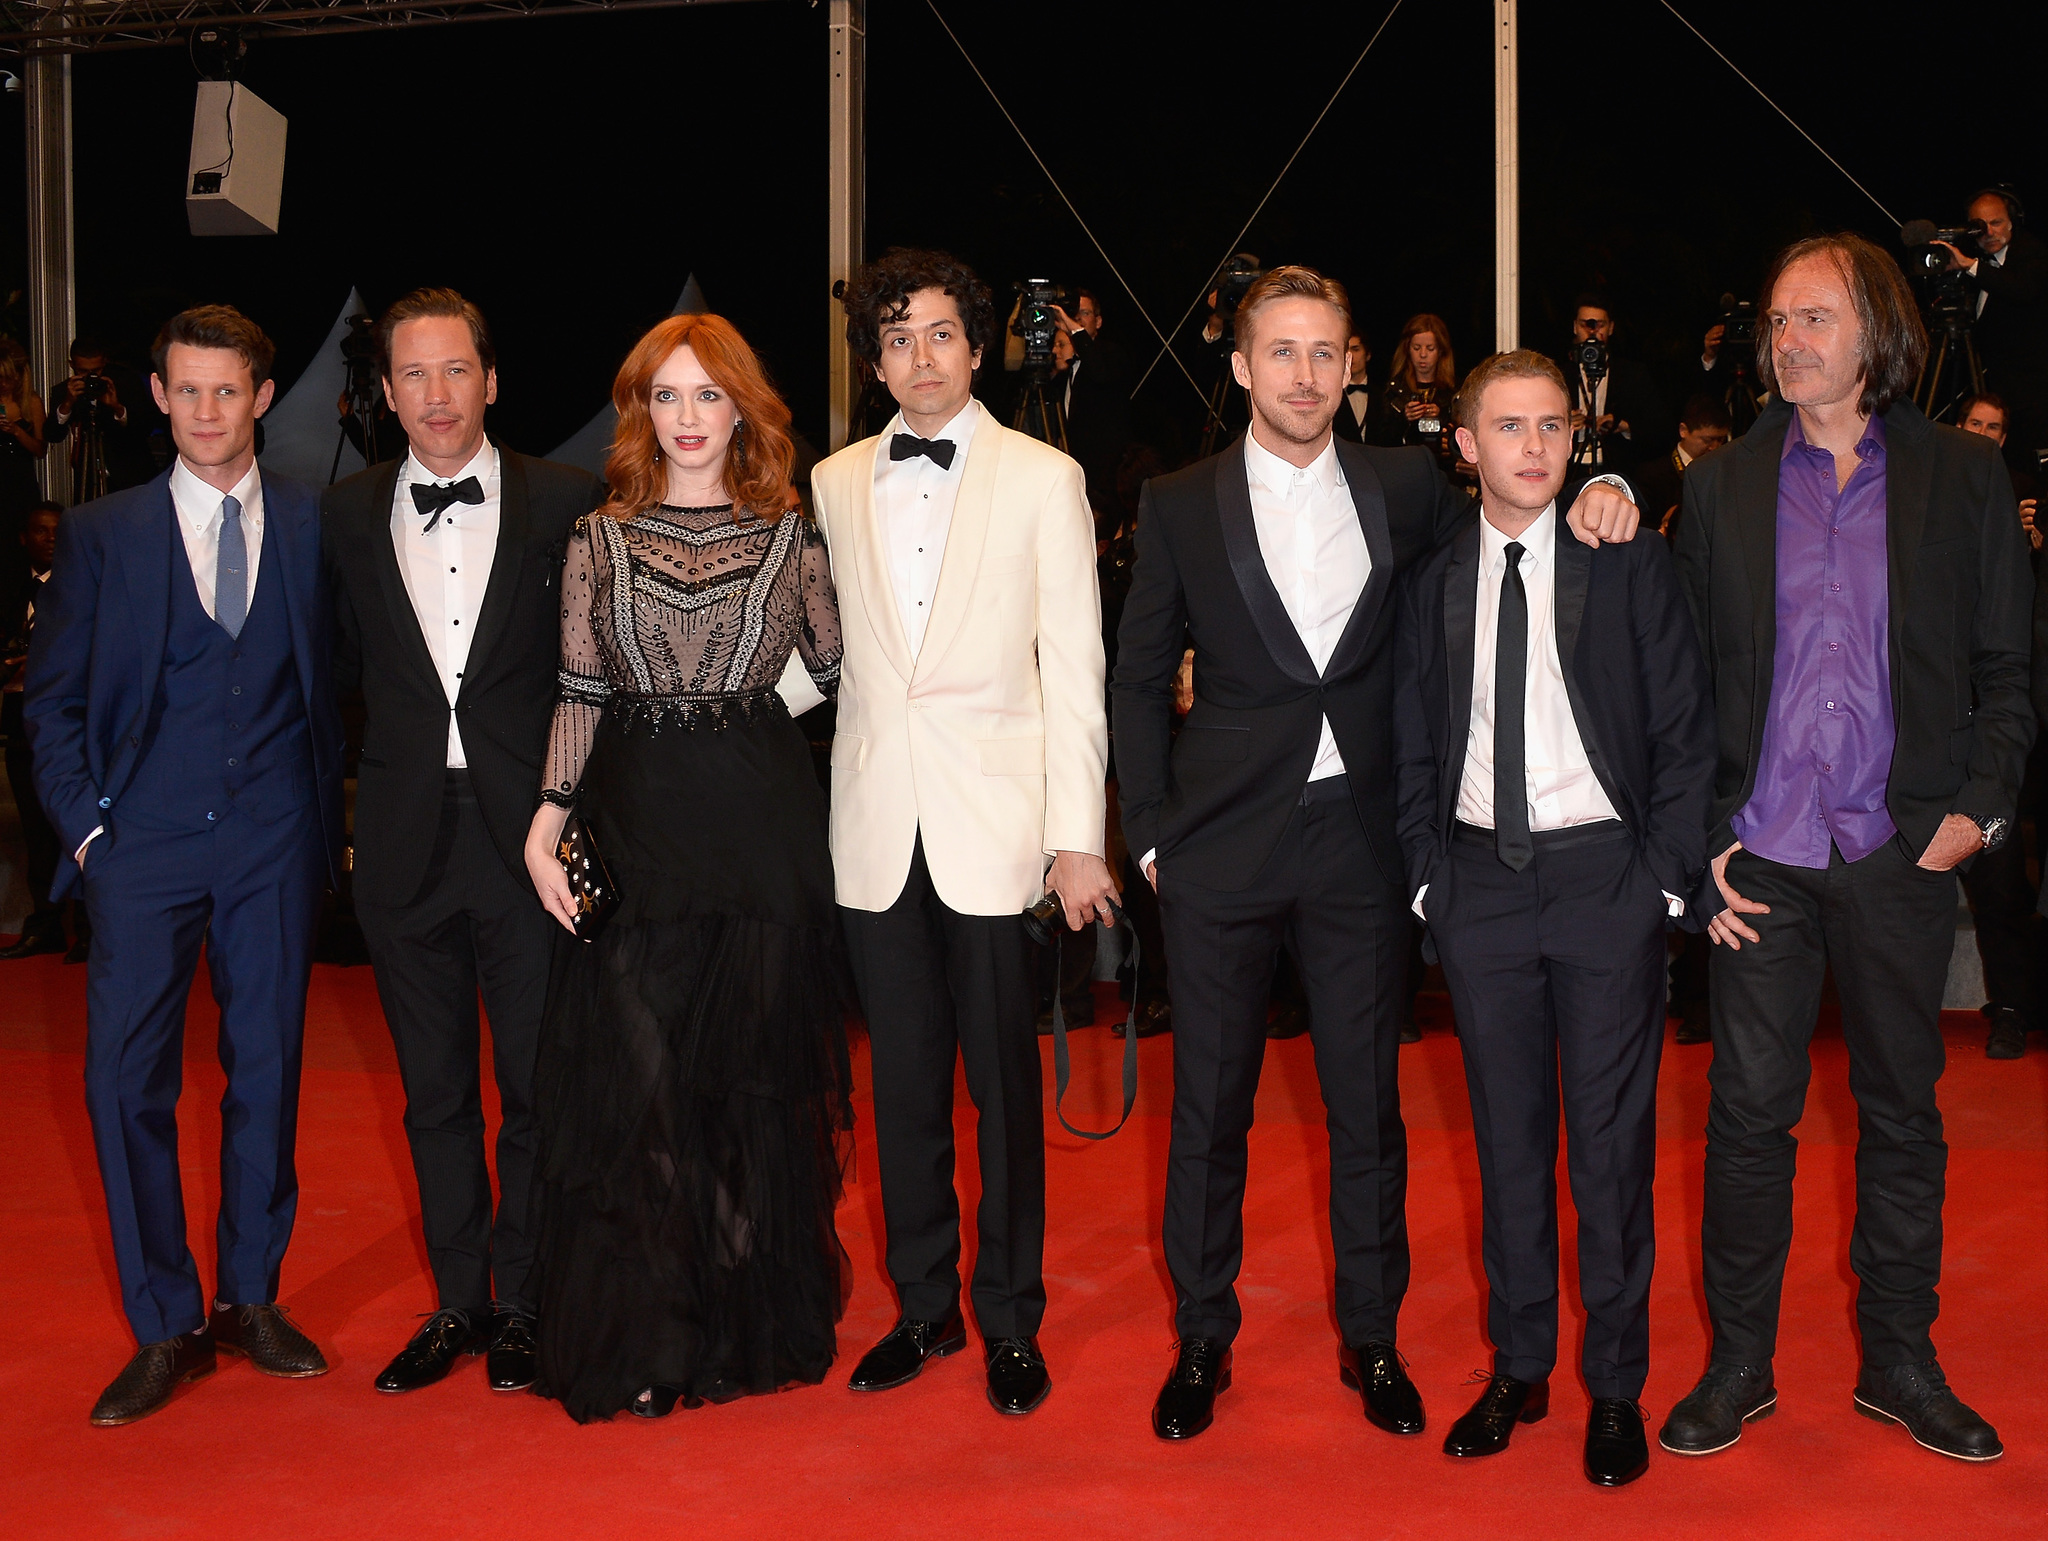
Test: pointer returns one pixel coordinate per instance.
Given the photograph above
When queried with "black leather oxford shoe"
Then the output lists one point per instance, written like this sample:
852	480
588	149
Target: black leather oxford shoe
1617	1450
263	1334
1374	1370
1918	1397
512	1362
152	1376
446	1337
1710	1416
1017	1377
897	1359
1187	1402
1505	1402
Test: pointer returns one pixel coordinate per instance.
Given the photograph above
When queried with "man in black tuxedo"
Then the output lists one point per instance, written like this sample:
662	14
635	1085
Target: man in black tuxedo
1269	822
2010	269
1860	584
1359	415
1620	418
445	569
1554	748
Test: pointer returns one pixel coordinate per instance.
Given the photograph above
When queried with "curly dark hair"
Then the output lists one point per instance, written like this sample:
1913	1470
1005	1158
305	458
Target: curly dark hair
880	293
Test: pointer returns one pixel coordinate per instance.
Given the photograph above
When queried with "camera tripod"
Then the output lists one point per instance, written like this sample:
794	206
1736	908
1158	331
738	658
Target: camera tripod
1039	412
1953	371
1589	450
362	412
88	455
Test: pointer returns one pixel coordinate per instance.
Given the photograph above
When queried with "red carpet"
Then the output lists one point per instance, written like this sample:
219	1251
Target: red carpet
244	1456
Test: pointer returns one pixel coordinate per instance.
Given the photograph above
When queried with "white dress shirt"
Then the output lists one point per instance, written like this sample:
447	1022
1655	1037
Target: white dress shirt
1357	400
914	505
447	568
198	507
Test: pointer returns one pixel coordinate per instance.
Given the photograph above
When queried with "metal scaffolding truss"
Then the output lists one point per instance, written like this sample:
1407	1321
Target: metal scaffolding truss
92	26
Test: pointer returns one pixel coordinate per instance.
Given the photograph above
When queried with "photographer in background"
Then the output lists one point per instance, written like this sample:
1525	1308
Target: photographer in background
43	930
1618	414
1706	426
1212	345
2010	269
1098	400
104	412
1727	367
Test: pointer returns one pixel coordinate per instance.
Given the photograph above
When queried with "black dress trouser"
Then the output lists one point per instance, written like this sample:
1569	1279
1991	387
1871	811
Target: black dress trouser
1321	895
1888	928
472	926
1556	974
941	989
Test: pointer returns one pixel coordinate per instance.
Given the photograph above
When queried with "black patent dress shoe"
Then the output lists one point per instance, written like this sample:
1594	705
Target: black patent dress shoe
433	1350
263	1335
1187	1402
512	1362
1017	1377
1505	1402
153	1376
1918	1397
897	1359
34	944
1710	1416
1617	1450
1375	1371
1154	1017
2008	1038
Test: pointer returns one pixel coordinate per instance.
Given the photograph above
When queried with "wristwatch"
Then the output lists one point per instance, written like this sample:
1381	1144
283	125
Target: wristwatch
1993	828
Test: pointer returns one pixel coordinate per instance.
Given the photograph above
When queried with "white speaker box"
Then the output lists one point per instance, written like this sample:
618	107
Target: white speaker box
236	180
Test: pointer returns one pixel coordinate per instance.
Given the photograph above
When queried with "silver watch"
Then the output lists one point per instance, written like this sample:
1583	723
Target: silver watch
1994	830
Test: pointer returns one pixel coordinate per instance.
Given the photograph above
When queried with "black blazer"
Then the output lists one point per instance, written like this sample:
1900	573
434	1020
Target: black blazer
1214	801
1632	672
1347	426
1961	595
2012	334
509	685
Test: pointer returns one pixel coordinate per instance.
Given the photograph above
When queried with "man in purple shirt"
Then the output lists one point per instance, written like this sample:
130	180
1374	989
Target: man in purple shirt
1862	590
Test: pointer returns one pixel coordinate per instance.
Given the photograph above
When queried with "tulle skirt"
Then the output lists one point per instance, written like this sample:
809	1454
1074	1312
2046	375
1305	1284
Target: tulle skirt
692	1084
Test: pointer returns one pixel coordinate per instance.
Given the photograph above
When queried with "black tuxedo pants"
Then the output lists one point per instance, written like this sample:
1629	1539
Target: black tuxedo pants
1320	895
472	927
943	990
1556	973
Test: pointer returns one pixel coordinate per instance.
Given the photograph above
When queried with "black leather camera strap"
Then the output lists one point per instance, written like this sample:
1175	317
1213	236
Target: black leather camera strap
1061	1068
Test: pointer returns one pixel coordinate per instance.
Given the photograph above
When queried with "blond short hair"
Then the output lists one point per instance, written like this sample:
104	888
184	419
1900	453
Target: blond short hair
1518	364
1290	283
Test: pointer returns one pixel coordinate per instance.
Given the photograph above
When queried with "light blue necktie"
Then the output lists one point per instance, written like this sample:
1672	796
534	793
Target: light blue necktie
231	570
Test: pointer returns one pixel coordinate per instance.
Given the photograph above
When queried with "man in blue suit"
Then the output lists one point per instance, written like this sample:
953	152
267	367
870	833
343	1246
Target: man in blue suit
187	748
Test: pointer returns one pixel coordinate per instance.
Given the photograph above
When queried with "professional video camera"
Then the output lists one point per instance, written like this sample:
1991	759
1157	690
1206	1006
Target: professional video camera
1948	289
1738	324
1738	347
1035	323
359	352
1237	277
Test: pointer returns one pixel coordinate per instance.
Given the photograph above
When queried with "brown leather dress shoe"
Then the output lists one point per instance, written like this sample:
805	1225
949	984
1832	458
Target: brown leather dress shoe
262	1335
153	1376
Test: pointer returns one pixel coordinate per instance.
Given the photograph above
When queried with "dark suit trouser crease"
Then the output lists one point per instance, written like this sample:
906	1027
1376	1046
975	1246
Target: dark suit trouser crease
941	989
250	894
1556	974
1321	896
472	927
1888	928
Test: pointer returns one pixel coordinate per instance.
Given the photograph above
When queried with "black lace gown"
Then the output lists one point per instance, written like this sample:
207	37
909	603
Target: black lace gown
692	1082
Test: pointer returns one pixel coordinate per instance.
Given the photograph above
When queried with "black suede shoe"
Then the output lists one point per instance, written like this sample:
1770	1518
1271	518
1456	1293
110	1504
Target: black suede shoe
897	1359
1918	1397
1617	1451
1710	1416
512	1362
1017	1377
264	1336
1187	1402
1505	1402
1375	1371
153	1376
2008	1038
447	1336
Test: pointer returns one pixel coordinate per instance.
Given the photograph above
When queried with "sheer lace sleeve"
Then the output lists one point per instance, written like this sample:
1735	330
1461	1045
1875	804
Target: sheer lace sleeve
584	684
818	639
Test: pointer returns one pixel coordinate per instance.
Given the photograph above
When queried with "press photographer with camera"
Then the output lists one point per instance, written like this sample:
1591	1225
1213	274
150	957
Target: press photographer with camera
367	422
1618	414
102	410
1229	408
1728	363
2009	269
1098	398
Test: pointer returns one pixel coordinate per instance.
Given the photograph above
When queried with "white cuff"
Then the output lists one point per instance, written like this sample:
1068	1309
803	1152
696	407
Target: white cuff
1673	905
1417	905
79	854
1146	861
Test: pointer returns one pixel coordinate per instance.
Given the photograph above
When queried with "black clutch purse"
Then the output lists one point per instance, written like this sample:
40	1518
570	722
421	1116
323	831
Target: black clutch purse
597	896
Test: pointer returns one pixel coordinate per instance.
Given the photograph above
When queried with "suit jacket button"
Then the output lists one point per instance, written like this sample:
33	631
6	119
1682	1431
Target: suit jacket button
106	802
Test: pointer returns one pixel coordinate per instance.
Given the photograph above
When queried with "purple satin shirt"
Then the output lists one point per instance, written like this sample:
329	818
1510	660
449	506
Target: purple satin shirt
1827	750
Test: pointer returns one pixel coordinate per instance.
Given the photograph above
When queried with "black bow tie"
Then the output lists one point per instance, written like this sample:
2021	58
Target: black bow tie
435	501
1350	388
908	446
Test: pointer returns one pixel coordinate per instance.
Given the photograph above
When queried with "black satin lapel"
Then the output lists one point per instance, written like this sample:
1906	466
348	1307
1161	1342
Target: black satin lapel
513	522
405	621
1461	610
1369	498
1241	542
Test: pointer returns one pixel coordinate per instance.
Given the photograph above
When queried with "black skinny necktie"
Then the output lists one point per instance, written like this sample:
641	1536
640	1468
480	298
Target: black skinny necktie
908	446
1510	698
435	501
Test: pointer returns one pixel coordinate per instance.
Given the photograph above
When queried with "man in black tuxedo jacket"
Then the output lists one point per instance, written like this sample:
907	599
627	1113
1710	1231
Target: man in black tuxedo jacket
1269	822
445	569
1554	747
1358	418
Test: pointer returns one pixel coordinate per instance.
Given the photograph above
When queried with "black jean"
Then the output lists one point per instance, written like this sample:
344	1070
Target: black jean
1888	928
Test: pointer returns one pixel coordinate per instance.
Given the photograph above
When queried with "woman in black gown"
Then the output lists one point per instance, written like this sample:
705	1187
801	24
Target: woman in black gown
692	1082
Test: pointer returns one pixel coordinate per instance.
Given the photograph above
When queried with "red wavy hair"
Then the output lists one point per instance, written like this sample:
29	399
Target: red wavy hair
757	463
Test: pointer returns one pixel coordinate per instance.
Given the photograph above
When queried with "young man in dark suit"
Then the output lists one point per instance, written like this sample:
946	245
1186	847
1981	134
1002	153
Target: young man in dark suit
1860	583
181	714
1269	822
446	567
1554	747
